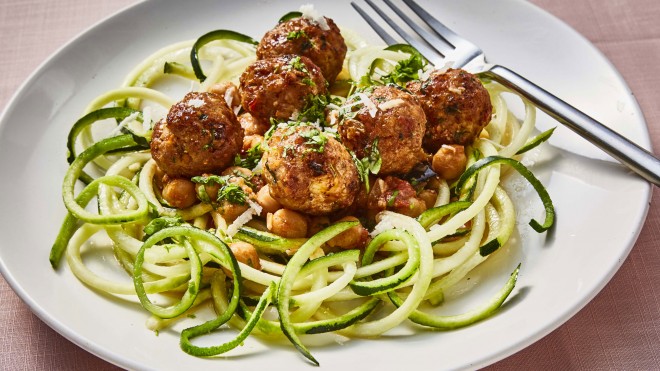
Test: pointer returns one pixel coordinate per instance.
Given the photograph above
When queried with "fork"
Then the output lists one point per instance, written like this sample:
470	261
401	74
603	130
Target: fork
446	45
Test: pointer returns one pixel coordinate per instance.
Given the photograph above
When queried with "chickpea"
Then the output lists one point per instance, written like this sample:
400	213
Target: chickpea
429	197
332	117
250	141
433	183
267	202
287	223
246	254
317	224
450	161
180	193
414	209
251	126
211	189
237	171
160	178
230	211
229	91
352	238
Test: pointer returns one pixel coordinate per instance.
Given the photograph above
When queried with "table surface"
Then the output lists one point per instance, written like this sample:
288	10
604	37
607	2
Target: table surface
619	329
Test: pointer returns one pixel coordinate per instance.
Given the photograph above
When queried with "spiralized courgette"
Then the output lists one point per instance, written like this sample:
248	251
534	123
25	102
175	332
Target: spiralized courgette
172	253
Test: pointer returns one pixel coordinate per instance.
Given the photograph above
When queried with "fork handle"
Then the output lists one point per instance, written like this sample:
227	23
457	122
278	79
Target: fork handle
628	153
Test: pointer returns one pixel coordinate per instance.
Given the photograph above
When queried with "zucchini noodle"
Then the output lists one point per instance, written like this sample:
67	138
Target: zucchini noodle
180	260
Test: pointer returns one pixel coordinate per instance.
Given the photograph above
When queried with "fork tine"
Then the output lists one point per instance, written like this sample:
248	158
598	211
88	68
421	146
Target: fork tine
438	42
431	55
465	50
435	25
389	40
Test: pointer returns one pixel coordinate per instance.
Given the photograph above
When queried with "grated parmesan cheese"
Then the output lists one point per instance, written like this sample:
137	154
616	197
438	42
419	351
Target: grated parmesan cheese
364	99
255	209
456	90
449	148
229	97
385	224
424	75
146	119
195	102
255	206
308	12
390	104
132	117
446	67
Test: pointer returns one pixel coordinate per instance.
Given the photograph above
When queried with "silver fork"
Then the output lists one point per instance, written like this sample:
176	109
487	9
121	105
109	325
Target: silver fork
446	45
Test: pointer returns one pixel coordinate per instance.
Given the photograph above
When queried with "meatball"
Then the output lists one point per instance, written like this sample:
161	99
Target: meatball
309	171
395	120
301	36
280	88
200	134
457	107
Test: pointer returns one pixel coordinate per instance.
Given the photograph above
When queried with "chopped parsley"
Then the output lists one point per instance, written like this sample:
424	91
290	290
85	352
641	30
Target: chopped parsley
293	35
392	198
314	110
406	70
251	157
373	158
297	64
230	192
309	82
315	139
369	164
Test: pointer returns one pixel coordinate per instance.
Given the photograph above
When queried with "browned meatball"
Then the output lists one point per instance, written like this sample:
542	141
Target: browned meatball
199	135
457	107
300	36
280	87
395	120
309	171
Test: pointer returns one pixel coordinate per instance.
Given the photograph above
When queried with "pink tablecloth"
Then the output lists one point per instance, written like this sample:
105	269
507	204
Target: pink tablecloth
619	329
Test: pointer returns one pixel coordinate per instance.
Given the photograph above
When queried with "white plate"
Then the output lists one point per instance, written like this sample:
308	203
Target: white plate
600	206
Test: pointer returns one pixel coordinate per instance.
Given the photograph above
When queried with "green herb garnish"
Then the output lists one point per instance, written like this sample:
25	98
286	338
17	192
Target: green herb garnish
404	71
369	164
251	158
315	139
297	64
392	198
230	192
293	35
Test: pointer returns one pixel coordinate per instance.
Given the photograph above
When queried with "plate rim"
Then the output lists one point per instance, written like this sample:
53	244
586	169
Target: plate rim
113	357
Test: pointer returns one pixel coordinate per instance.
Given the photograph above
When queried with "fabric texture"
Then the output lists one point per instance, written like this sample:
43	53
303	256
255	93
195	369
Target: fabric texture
618	330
